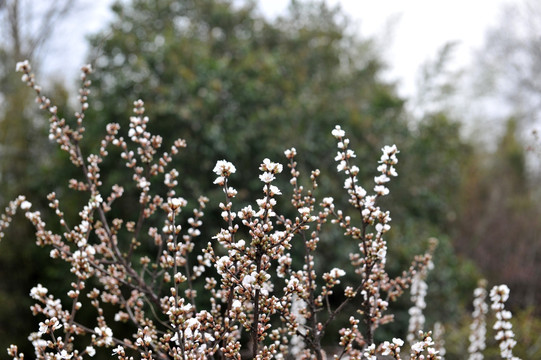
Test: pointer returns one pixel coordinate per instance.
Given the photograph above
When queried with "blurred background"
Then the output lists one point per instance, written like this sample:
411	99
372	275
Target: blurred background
455	84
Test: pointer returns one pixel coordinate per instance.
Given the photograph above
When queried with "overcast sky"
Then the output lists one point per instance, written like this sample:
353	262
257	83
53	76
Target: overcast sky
417	29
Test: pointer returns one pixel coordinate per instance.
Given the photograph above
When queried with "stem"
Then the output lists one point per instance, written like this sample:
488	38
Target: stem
255	323
367	312
231	292
180	336
190	285
73	311
316	344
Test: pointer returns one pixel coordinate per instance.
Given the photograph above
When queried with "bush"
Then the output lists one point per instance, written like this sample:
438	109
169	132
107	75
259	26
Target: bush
255	291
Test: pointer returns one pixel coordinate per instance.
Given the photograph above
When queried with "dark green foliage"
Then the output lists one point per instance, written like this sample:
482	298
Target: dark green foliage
237	86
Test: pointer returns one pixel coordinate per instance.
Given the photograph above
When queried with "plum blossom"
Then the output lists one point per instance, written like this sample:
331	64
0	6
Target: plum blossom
272	167
63	355
381	190
382	179
504	333
143	184
274	190
52	324
236	305
22	66
370	352
224	168
38	291
178	202
393	347
328	201
425	344
290	153
266	177
336	273
360	191
297	344
478	326
349	182
104	335
26	205
337	132
119	350
499	295
249	280
90	351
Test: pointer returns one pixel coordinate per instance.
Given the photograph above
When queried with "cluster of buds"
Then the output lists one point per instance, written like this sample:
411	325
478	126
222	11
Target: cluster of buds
95	246
418	291
425	345
504	329
59	130
504	335
478	326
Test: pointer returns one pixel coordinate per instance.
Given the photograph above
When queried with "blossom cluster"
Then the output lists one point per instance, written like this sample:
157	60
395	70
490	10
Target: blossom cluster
504	328
418	292
264	303
478	326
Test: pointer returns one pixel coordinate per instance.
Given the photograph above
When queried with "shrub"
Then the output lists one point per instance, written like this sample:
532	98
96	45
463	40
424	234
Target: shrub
257	302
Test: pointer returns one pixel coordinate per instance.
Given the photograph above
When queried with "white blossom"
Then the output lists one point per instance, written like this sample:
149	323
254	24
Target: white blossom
274	190
336	273
178	202
224	168
381	190
236	304
248	280
22	65
382	179
63	355
504	333
360	191
381	228
118	350
349	182
327	201
104	335
90	351
25	205
290	152
297	342
337	132
219	180
266	177
38	291
269	166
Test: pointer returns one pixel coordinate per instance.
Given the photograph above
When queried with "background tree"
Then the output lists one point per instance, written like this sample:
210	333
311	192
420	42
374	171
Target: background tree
500	197
27	162
234	83
509	63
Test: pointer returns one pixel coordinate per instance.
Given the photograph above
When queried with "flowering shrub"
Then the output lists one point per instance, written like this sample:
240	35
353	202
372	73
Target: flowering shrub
262	305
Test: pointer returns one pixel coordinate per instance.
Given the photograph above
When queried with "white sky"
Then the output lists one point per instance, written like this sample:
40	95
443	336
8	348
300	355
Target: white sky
418	28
